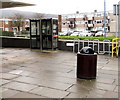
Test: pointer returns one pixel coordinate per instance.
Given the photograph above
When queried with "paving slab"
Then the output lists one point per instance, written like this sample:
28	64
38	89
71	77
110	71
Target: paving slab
50	93
42	82
19	86
26	95
76	95
110	94
9	76
3	81
79	89
8	93
52	74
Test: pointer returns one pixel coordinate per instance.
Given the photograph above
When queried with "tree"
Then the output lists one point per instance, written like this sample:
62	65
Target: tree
39	15
18	21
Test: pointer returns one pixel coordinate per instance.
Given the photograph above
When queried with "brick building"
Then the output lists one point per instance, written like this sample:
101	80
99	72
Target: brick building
5	25
88	21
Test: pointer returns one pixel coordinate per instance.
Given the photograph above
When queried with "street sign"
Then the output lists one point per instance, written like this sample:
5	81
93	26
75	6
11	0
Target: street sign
116	9
69	44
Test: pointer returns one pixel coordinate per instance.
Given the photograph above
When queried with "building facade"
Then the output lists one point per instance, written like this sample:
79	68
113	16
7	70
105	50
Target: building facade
119	21
6	25
89	21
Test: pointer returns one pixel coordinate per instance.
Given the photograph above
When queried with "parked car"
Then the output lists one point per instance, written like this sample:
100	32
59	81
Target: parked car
100	33
62	34
75	34
86	33
93	33
82	34
69	33
65	33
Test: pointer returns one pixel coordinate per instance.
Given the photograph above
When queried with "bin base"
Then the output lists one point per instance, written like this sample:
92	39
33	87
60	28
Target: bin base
82	77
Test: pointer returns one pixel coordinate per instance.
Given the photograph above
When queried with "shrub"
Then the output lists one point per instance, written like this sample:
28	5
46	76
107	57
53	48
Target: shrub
90	38
6	33
25	32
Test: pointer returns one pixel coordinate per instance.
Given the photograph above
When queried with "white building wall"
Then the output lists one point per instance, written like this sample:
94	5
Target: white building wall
119	21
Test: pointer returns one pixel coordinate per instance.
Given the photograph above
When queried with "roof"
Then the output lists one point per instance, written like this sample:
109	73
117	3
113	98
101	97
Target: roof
9	4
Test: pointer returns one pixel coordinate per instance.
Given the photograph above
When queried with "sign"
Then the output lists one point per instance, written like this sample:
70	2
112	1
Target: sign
69	44
55	35
116	9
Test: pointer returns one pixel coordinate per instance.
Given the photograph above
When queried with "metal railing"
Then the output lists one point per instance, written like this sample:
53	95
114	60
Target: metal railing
95	43
109	45
115	45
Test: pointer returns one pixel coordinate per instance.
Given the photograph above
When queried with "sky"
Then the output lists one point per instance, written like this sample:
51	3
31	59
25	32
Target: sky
66	6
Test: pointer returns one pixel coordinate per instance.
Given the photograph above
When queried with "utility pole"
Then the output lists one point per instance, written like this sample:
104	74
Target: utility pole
104	18
67	23
77	14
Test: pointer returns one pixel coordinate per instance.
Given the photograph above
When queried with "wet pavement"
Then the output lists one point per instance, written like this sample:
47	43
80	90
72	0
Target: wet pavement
29	73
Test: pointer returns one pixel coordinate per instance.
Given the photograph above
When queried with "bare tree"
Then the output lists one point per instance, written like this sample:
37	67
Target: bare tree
39	15
18	21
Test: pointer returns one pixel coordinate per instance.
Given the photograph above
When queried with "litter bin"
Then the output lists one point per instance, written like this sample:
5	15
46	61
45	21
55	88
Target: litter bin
86	63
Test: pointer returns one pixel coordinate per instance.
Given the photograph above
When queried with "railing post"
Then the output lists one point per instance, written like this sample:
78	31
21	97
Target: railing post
78	45
112	47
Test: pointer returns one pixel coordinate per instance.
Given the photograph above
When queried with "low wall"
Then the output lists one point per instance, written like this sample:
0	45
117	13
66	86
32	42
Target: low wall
16	42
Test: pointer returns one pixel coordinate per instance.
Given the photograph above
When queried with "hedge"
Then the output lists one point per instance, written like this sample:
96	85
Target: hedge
90	38
6	33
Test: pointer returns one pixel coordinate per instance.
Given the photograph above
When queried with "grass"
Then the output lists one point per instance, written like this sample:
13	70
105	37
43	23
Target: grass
90	38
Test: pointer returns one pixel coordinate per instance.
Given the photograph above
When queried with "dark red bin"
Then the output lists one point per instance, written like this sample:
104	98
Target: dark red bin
86	66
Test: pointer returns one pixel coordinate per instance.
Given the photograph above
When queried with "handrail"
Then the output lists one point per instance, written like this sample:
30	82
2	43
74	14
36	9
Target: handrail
115	45
108	46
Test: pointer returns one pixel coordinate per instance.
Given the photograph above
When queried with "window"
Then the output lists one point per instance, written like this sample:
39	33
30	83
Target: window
6	29
71	22
108	21
82	22
77	22
6	22
90	22
63	23
86	22
14	29
98	21
20	28
99	14
99	28
1	29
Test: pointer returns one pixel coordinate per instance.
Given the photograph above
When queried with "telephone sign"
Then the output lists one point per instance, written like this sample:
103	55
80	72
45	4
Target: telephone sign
116	9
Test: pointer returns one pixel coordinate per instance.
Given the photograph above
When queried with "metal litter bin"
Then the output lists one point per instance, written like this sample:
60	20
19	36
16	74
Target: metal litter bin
86	63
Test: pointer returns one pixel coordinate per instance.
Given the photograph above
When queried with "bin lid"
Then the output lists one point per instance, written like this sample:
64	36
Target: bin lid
87	50
83	54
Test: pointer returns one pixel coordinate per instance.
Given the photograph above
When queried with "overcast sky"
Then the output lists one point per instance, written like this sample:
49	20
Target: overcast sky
66	6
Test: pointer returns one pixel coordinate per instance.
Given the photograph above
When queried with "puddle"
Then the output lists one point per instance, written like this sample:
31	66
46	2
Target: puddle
16	71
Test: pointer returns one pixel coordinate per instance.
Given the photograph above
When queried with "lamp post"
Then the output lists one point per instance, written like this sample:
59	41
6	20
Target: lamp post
67	23
77	13
104	18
